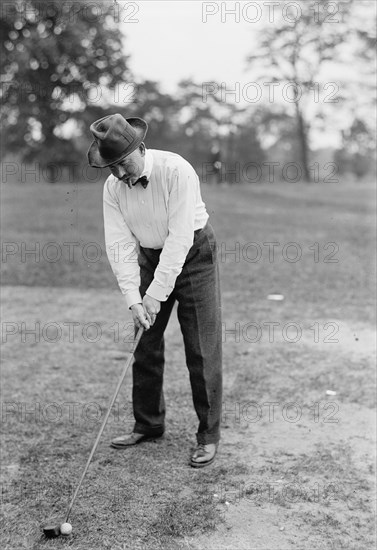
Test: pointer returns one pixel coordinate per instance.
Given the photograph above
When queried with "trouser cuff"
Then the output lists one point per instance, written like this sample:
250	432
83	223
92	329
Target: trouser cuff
206	439
149	430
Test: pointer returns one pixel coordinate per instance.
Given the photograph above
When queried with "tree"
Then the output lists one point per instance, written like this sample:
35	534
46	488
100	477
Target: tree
294	50
60	60
161	111
207	121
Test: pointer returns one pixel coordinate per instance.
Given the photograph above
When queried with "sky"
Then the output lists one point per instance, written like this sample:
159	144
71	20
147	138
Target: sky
171	42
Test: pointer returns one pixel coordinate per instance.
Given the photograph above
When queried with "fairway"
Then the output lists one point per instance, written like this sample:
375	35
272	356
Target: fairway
295	468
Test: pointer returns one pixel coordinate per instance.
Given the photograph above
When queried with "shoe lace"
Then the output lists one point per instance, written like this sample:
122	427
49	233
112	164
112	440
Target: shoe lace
200	450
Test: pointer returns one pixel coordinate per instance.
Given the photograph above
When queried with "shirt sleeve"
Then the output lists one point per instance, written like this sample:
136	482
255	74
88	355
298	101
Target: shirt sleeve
181	222
121	246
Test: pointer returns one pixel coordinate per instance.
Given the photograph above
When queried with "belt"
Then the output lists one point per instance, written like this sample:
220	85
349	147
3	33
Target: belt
196	232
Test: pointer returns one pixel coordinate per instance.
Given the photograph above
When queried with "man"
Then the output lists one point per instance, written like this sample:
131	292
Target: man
161	249
216	164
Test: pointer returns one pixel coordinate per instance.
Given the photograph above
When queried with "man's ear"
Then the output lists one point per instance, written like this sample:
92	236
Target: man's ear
142	148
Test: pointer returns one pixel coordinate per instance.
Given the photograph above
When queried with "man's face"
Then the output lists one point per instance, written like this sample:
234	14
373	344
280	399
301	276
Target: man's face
130	169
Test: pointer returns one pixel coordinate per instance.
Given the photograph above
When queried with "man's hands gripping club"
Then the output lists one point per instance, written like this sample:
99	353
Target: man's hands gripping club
145	314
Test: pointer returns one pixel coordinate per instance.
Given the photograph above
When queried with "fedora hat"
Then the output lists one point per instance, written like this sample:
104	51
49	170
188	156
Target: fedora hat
115	137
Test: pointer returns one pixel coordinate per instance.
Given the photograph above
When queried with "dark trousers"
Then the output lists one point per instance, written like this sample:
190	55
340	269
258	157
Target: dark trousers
197	291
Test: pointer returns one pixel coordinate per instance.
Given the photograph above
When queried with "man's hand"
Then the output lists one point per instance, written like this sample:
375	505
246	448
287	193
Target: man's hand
139	317
145	314
151	308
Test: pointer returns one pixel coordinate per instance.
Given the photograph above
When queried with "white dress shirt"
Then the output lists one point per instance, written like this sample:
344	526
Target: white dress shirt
163	215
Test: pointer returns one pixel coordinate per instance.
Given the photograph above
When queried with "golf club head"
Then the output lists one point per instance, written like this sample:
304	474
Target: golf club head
52	529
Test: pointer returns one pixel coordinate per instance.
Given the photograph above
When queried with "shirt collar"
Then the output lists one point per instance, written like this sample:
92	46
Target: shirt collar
148	164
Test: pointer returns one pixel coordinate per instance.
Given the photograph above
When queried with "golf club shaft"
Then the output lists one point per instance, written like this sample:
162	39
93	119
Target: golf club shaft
112	401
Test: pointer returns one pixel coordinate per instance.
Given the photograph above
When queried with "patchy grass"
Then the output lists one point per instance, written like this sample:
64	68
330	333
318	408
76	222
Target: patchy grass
187	516
337	280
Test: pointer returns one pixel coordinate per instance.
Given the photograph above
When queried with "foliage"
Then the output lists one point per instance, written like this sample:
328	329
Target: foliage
60	59
64	66
301	51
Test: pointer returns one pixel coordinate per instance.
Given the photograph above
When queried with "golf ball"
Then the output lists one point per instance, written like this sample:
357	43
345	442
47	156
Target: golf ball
66	528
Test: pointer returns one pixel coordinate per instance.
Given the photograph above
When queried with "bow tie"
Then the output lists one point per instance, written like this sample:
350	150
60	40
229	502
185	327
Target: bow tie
143	180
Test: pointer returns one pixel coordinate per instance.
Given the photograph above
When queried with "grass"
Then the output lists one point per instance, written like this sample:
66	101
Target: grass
55	392
37	215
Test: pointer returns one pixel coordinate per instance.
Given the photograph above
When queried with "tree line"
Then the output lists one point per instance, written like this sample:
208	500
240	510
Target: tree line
63	67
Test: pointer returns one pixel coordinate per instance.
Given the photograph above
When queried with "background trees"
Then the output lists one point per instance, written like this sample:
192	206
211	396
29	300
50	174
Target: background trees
65	64
302	53
62	60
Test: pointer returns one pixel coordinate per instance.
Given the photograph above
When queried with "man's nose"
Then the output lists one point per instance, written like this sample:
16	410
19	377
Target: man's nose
121	172
118	171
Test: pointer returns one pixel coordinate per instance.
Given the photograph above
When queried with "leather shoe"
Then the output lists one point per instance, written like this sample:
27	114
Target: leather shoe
204	455
124	441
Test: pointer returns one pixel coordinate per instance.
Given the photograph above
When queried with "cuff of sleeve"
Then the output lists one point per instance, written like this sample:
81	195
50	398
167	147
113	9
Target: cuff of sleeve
133	297
158	292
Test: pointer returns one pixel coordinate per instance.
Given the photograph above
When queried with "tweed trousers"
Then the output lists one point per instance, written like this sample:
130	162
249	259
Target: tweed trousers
197	291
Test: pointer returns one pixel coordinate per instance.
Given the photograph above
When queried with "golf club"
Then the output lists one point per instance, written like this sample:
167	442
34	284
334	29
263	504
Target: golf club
52	529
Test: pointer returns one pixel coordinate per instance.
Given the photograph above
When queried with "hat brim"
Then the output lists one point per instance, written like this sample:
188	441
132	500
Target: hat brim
97	161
